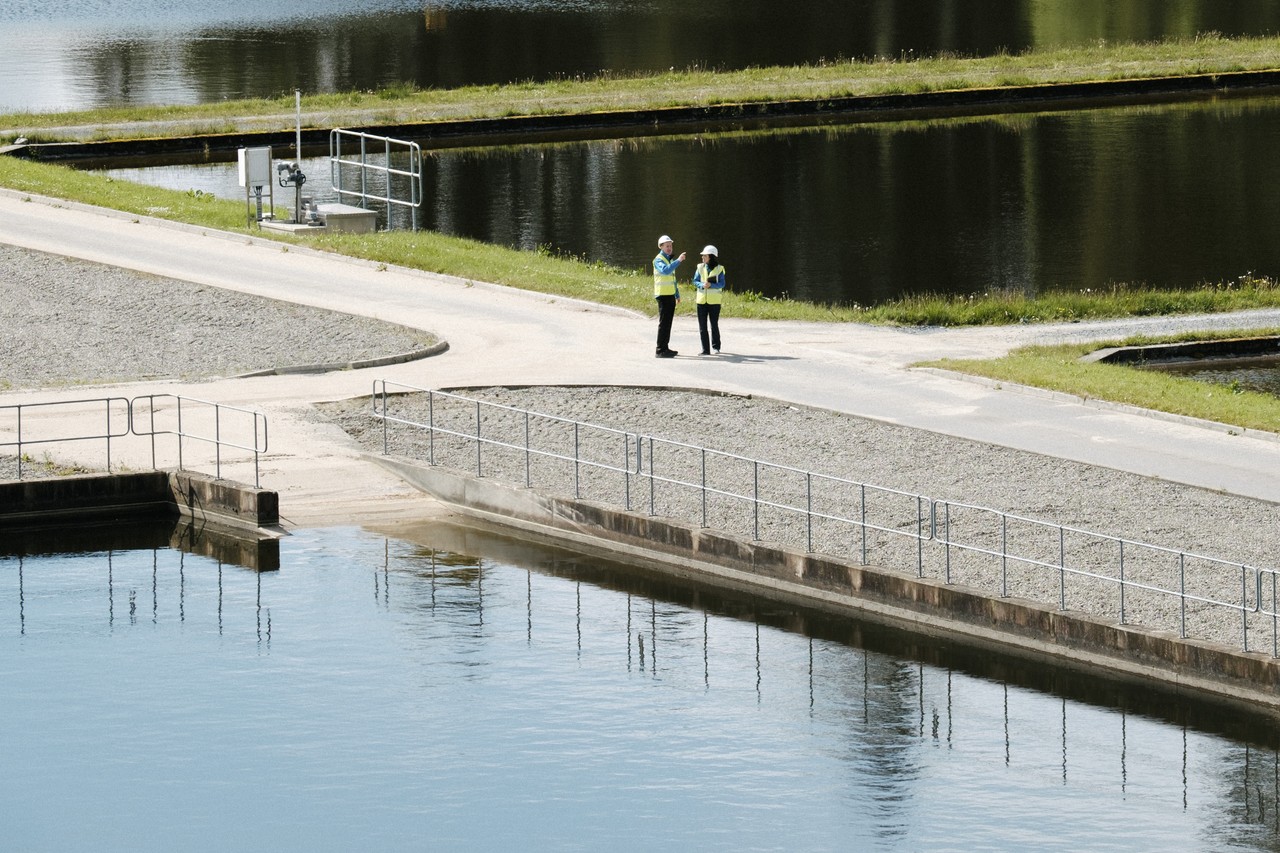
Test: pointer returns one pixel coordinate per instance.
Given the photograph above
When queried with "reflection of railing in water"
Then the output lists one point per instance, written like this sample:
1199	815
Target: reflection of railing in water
123	557
865	688
595	462
131	412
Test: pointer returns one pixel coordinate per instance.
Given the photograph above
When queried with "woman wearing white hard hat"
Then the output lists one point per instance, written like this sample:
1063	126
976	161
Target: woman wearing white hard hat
709	280
666	292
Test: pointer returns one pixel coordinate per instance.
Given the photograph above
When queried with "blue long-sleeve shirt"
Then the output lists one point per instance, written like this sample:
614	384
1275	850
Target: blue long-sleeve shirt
663	265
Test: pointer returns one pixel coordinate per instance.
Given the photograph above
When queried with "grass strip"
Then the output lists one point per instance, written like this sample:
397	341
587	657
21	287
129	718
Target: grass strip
1101	61
1058	368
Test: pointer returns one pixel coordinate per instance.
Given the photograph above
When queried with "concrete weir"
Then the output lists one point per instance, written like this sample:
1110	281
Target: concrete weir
1012	625
145	494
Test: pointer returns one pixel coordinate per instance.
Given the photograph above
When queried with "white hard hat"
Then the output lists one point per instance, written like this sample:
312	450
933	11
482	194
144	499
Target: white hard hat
710	250
663	239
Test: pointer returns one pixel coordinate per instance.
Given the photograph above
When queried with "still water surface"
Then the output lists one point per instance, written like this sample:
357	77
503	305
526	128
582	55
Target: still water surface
378	694
73	54
1170	195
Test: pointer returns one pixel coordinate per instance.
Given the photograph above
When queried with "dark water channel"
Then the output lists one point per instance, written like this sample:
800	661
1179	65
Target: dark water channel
1169	195
69	54
448	689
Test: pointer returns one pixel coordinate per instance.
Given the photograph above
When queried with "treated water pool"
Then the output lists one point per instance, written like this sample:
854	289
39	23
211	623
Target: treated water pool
392	693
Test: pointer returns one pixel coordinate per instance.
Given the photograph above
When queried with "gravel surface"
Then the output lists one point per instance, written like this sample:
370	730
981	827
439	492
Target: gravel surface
68	321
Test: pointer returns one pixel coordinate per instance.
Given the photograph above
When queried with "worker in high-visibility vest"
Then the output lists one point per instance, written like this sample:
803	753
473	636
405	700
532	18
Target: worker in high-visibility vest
667	292
709	280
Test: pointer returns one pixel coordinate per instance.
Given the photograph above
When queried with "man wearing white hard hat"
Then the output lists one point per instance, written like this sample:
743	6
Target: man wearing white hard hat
667	292
709	280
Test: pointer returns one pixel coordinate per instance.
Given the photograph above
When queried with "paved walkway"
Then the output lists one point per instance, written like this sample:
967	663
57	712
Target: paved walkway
502	336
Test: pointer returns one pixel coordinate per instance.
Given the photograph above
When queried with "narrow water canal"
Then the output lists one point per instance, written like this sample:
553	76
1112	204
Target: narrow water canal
1171	196
67	54
389	692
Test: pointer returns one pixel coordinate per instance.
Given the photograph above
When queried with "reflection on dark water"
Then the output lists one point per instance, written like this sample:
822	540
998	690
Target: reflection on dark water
1246	374
65	55
1165	196
526	697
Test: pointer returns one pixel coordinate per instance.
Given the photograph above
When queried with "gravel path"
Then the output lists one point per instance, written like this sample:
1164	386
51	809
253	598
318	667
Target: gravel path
71	321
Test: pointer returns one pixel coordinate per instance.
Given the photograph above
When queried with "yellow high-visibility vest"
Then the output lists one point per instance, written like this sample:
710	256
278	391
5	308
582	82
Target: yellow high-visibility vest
663	285
706	295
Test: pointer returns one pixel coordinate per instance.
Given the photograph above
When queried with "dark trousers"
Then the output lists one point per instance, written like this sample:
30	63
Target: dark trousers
709	313
666	313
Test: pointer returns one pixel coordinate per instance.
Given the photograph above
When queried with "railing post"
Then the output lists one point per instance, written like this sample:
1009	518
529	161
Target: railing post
626	469
577	487
528	472
1122	602
19	441
1062	568
808	511
862	488
652	497
920	534
386	445
1182	594
1244	614
181	466
703	452
108	433
755	500
431	424
946	545
1004	555
479	456
217	440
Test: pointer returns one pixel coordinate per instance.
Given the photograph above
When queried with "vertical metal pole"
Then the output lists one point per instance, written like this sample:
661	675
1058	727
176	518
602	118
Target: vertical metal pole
862	488
577	467
1275	624
1182	589
1062	568
151	405
181	467
431	423
808	511
479	469
1122	622
703	452
1244	614
257	476
528	475
652	498
1004	555
217	440
364	172
755	499
386	446
626	468
108	435
920	536
946	545
19	441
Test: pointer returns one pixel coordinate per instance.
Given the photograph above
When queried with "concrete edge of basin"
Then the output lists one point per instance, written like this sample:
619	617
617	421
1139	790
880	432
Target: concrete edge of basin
1027	628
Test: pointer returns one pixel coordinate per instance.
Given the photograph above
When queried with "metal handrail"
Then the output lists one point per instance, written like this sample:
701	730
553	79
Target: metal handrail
258	447
936	527
942	519
106	436
634	466
363	167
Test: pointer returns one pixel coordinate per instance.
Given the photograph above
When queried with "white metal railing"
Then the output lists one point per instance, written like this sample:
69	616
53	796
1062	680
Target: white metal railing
123	417
1119	568
376	180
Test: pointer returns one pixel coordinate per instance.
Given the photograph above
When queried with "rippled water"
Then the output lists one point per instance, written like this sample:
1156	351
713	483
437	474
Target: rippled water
379	694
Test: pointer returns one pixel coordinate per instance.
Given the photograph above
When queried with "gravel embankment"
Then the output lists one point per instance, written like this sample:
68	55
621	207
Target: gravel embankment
68	321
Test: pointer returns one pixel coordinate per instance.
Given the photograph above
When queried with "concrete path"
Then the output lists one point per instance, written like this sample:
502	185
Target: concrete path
502	336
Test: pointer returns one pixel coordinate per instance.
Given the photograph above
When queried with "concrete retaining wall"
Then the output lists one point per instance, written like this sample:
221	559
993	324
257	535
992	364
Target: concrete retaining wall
925	605
148	494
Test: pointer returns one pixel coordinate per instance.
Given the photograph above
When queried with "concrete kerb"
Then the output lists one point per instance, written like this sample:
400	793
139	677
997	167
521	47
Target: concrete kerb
1012	625
415	355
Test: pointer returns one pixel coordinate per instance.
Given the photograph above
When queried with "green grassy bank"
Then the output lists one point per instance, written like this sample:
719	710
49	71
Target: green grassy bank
1209	54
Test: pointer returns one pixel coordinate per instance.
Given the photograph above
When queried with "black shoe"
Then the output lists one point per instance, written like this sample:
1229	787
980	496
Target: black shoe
705	352
669	353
